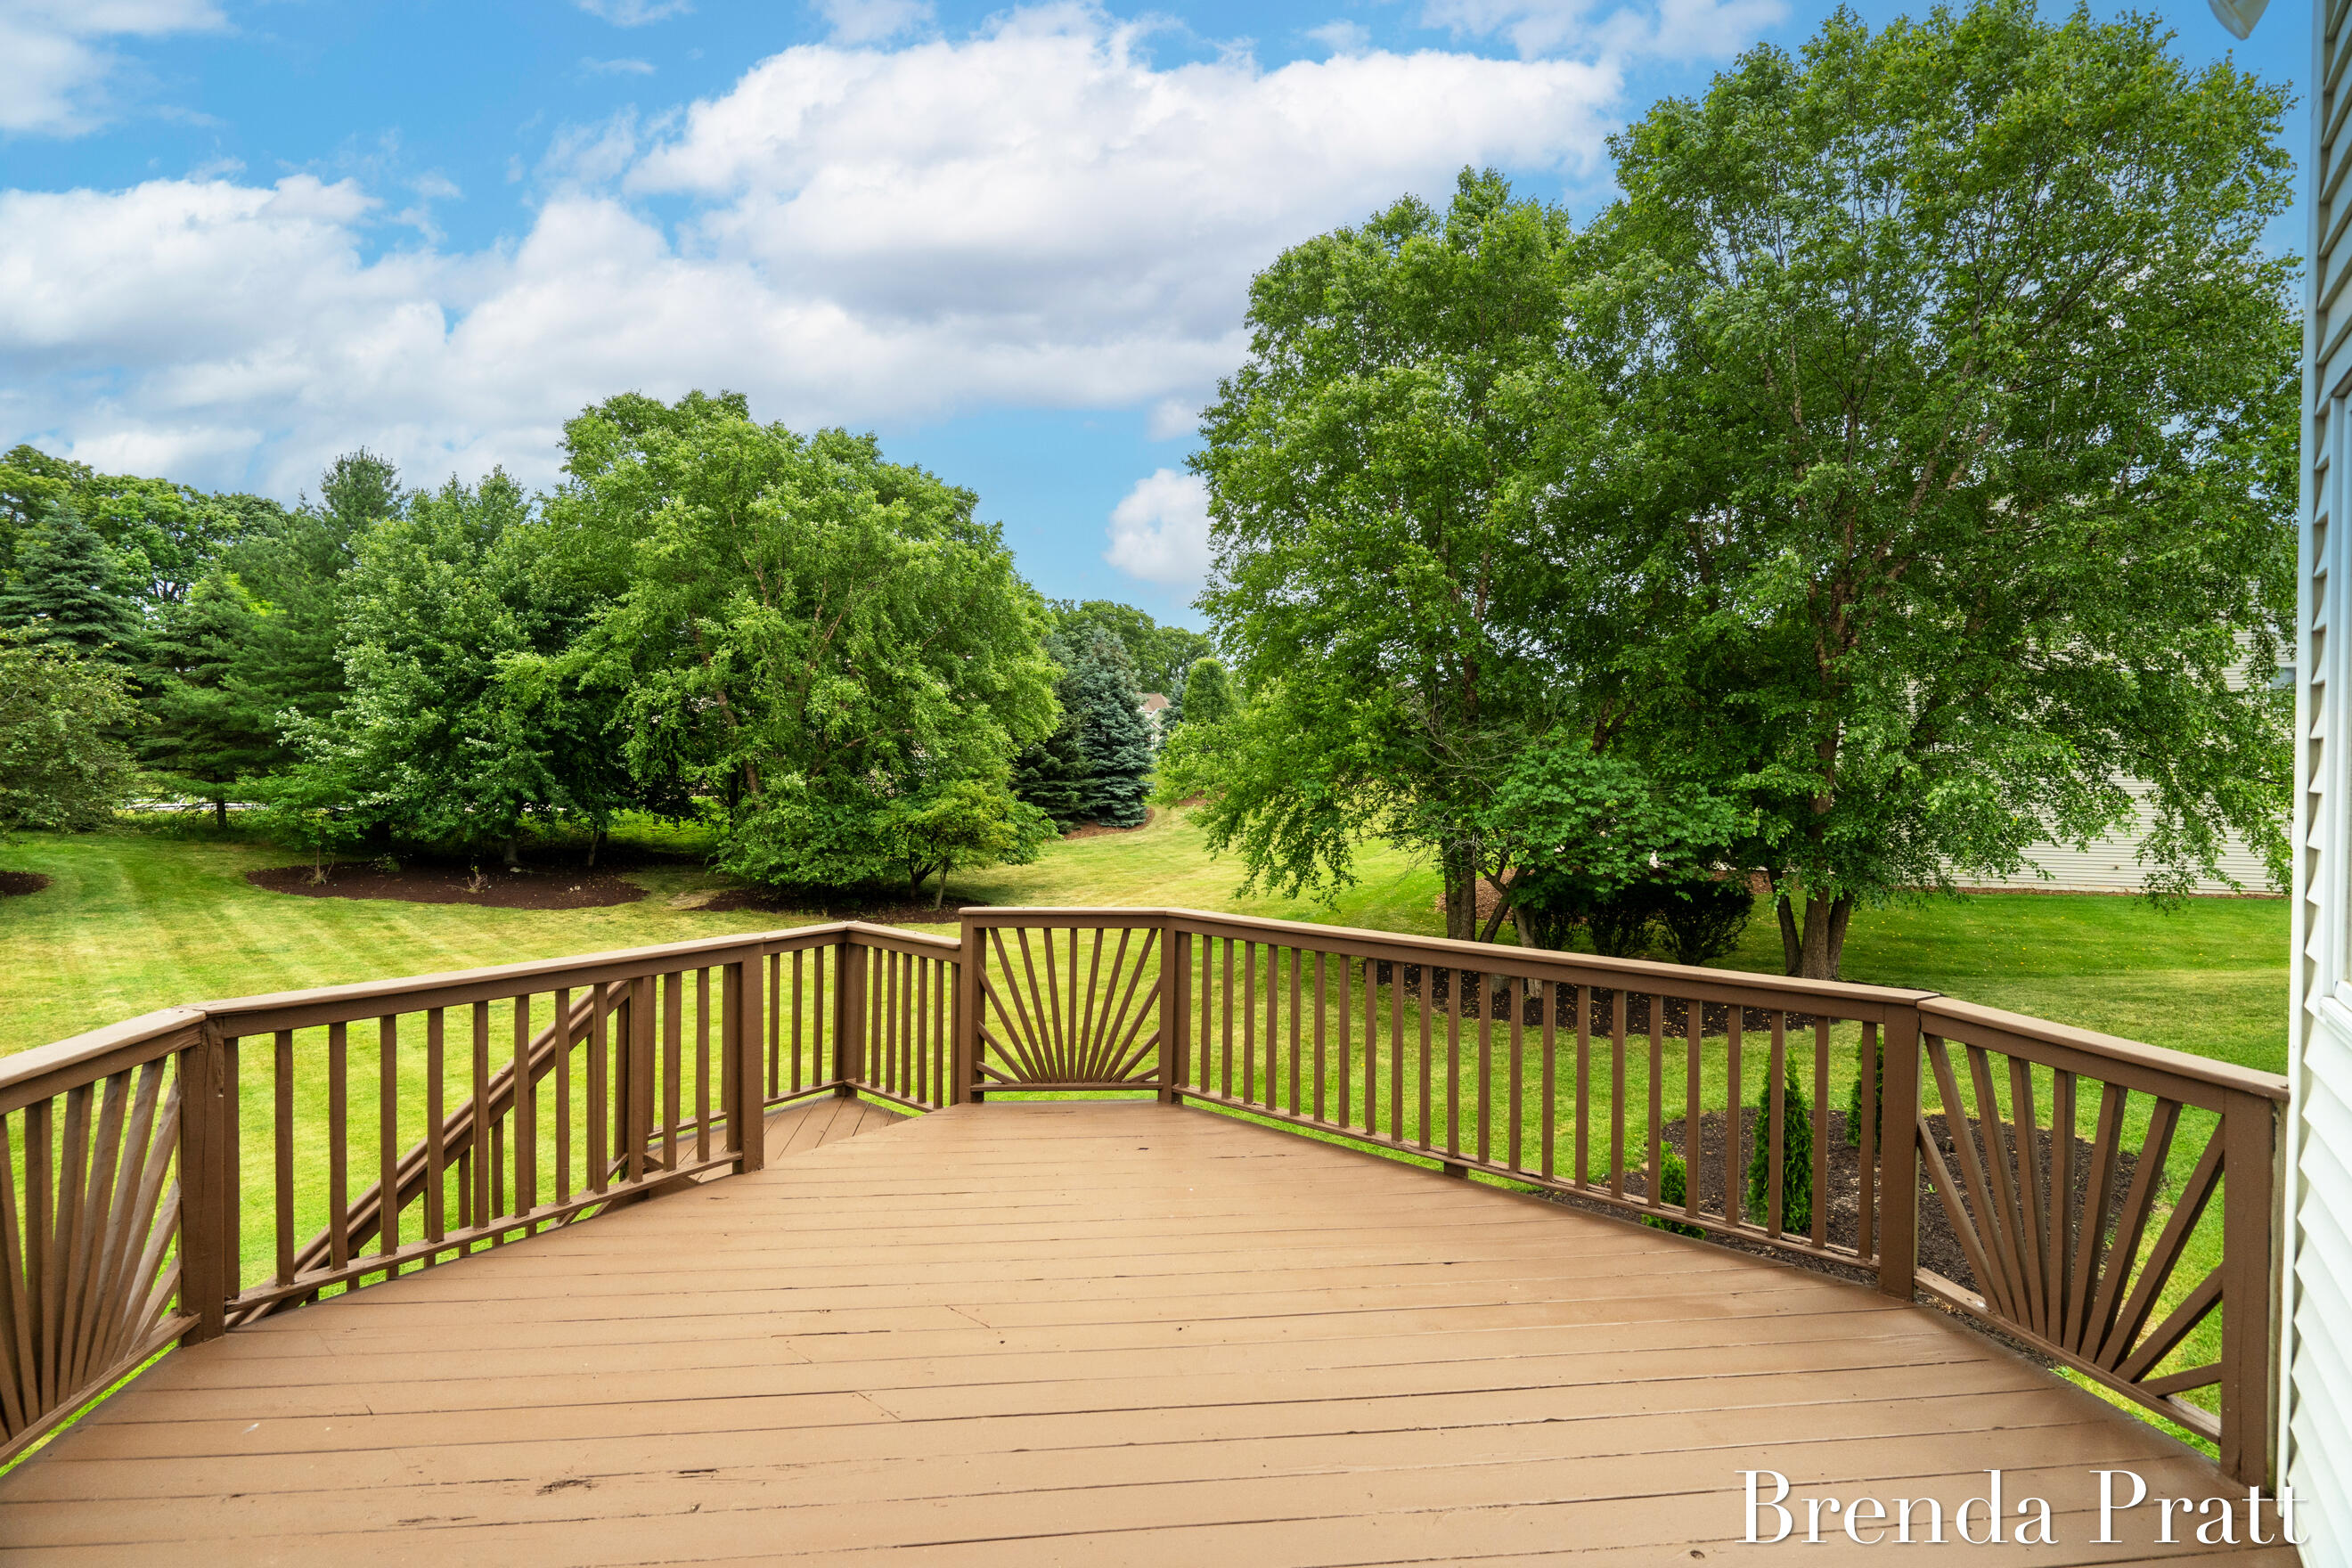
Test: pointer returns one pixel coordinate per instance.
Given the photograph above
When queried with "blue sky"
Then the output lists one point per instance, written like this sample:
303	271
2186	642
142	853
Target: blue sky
237	238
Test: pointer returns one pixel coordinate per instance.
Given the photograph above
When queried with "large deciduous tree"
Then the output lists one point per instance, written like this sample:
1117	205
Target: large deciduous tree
1949	378
1372	471
458	726
61	765
815	637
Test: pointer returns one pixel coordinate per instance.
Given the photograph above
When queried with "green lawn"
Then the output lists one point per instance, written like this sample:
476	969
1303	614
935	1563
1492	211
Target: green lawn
136	919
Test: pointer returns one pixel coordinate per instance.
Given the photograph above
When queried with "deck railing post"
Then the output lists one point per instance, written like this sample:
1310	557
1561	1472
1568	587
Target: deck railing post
205	1269
1898	1155
964	1072
2250	1297
1175	1007
743	1023
849	1018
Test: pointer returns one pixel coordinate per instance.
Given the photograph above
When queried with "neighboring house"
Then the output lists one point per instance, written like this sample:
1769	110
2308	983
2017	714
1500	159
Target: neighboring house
2112	864
1154	708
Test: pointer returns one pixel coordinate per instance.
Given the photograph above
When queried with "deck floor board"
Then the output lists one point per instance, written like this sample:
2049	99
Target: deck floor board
1073	1333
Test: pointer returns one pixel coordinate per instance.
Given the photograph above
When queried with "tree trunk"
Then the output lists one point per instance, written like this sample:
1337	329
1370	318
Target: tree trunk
1815	949
1458	860
942	898
513	856
220	812
1792	945
595	835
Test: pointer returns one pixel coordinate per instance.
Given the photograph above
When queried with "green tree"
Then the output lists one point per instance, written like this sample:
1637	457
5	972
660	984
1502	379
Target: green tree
968	823
1161	654
805	633
210	729
61	765
459	725
1112	738
1796	1157
1208	693
163	536
1050	775
1946	371
1372	470
1570	832
67	590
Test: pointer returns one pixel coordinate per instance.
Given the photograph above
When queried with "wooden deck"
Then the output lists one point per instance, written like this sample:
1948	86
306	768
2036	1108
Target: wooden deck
1073	1332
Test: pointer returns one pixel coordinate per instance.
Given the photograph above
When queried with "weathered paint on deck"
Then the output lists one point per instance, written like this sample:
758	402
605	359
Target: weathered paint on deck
1073	1333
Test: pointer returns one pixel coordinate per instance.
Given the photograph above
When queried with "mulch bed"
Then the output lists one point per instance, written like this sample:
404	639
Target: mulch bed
1939	1245
16	884
533	888
880	914
1096	829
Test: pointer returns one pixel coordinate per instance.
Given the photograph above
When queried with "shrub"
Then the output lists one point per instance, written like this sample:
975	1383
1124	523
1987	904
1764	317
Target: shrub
1673	1188
1701	920
1877	1055
1796	1159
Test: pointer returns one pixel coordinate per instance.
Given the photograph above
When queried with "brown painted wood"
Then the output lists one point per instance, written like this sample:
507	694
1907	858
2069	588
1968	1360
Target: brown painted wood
963	1414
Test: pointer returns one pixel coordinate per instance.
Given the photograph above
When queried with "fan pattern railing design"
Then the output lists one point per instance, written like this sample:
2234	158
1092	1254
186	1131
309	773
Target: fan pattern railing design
1042	1026
89	1210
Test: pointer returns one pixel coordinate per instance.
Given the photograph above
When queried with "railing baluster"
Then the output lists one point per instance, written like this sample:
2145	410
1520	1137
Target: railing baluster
1320	1002
1653	1167
1454	979
1734	1132
1298	956
487	1196
673	1030
387	1133
437	1154
1548	999
1778	1079
339	1209
283	1085
562	1026
1617	1091
1583	1085
1868	1066
1821	1172
702	1064
599	1109
523	1097
1514	989
1693	1032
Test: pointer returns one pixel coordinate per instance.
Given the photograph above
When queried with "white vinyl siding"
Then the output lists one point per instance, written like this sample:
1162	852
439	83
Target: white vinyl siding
2317	1311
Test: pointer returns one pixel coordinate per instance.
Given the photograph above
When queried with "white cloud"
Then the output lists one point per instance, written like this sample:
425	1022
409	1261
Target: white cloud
871	21
1677	29
1160	533
635	13
617	67
1342	38
55	61
1038	215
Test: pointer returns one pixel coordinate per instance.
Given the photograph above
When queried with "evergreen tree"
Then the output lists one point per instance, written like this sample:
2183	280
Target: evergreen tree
65	591
1113	737
212	729
294	562
1050	775
1796	1158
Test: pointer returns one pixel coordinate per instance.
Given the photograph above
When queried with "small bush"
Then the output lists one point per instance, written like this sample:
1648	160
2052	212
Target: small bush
1796	1159
1877	1058
1674	1189
1699	921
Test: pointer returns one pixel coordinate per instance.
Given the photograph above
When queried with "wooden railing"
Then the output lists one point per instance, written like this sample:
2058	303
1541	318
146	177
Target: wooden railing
2109	1204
